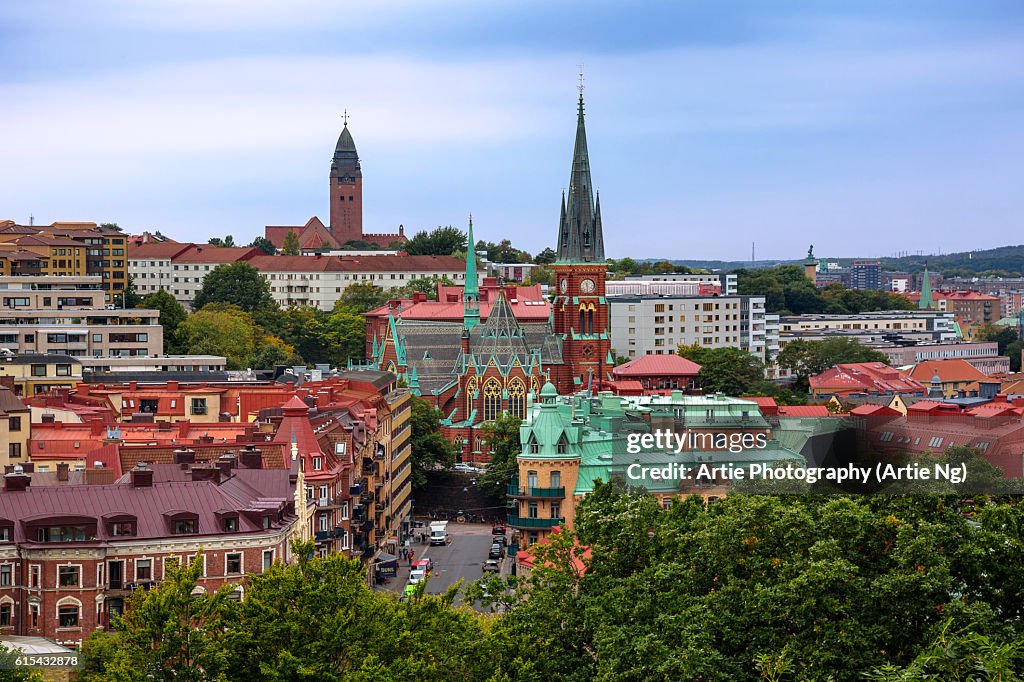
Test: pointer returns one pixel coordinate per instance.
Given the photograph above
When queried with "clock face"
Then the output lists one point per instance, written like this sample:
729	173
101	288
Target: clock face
587	286
564	285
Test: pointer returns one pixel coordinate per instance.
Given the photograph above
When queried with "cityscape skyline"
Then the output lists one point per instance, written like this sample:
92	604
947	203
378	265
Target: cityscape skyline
876	130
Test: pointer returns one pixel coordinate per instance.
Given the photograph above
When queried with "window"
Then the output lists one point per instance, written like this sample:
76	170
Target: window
318	464
556	510
233	563
143	569
323	522
34	573
531	510
268	559
39	370
5	615
68	576
33	610
15	424
122	528
198	405
67	616
6	575
184	526
556	479
231	524
517	399
492	399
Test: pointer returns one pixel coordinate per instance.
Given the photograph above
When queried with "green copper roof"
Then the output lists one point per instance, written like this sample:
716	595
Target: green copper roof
926	302
471	288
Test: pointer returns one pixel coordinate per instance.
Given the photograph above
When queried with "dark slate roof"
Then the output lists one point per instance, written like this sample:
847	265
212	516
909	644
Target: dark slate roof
153	377
10	402
43	359
346	158
580	237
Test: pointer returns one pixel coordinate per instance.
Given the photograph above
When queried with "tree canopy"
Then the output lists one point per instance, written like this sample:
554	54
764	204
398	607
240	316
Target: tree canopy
239	284
732	371
429	447
264	245
441	241
788	291
290	246
361	297
805	359
172	314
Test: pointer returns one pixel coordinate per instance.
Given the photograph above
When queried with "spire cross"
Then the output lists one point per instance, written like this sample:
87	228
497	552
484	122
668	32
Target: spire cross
580	86
344	116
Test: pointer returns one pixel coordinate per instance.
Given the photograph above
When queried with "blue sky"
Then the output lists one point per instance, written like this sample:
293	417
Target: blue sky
864	127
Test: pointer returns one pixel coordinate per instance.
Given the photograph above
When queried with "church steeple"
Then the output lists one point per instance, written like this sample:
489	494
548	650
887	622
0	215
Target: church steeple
471	289
580	238
926	302
346	184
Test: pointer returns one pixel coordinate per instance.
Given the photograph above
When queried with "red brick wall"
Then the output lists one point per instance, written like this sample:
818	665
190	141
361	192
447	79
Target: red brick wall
347	210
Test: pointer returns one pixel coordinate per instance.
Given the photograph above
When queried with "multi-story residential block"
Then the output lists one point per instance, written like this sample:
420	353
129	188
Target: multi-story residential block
32	373
727	283
15	427
314	280
938	326
72	551
866	274
570	443
642	325
71	248
54	314
972	309
983	356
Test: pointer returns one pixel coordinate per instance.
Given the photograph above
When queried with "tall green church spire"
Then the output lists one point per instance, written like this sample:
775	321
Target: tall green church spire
471	289
926	302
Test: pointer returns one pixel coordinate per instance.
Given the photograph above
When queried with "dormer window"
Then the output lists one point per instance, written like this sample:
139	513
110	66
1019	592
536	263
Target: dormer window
184	526
230	524
563	445
122	528
182	522
318	463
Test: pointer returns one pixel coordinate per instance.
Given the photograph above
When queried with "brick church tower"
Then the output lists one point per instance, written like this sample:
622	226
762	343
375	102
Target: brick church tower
346	190
580	313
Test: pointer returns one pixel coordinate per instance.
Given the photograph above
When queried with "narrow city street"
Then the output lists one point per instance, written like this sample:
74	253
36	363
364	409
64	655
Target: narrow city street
462	558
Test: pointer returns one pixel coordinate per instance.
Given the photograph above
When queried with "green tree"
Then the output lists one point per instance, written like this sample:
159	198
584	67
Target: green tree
290	247
172	632
430	450
361	297
422	285
441	241
805	359
1003	336
502	436
732	371
264	245
239	284
222	329
1014	350
546	257
542	275
112	226
129	297
226	242
172	314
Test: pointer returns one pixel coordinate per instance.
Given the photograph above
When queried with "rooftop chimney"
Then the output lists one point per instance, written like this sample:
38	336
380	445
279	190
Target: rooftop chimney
142	476
62	471
225	464
251	457
206	473
184	455
17	479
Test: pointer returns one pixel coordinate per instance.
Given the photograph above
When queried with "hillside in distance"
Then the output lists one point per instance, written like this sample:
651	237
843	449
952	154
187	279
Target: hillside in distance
1002	260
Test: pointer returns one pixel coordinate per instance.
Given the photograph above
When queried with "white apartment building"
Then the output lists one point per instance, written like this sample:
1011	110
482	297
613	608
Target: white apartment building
650	324
726	281
315	280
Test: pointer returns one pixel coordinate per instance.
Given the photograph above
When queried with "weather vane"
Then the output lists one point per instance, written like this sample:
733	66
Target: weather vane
344	116
580	86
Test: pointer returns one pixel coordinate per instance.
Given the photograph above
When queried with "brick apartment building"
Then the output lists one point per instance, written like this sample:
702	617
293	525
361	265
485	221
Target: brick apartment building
72	549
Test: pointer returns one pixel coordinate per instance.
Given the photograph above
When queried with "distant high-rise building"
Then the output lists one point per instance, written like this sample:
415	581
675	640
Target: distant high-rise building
866	274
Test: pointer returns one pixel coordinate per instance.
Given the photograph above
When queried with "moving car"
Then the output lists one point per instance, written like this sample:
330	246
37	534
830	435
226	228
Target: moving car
497	551
498	529
426	565
417	576
491	566
439	533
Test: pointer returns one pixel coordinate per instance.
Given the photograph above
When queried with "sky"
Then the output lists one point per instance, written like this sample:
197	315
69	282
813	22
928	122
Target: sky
866	127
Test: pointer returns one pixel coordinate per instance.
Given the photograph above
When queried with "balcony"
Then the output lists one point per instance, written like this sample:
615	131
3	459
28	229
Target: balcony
522	493
367	463
355	490
523	522
367	524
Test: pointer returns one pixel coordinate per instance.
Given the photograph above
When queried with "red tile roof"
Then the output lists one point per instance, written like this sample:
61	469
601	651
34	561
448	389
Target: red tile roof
948	371
157	250
412	264
657	365
213	254
803	411
864	377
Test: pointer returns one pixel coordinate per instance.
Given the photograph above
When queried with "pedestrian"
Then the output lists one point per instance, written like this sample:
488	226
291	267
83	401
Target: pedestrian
412	555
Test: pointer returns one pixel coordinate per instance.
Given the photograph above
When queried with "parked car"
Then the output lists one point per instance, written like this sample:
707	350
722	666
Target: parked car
491	566
417	576
498	529
497	551
501	540
465	468
425	565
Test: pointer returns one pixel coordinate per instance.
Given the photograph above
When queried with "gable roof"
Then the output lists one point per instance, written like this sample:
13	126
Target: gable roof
653	365
947	371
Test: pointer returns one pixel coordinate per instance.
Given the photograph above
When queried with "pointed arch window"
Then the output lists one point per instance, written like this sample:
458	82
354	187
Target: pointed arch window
583	330
590	321
470	391
517	399
563	445
492	399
